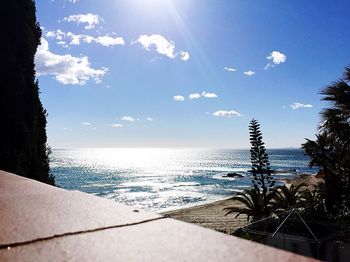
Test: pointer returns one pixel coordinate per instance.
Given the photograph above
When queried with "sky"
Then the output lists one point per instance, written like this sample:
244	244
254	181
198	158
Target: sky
187	73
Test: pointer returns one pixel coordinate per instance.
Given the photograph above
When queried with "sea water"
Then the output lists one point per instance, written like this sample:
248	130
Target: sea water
164	179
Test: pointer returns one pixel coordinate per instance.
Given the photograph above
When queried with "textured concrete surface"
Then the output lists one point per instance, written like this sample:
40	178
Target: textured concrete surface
163	240
14	186
49	211
57	225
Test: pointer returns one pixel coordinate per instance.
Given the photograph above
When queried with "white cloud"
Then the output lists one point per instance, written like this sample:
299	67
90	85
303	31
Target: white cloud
179	98
184	56
128	118
66	69
108	40
230	69
90	20
149	119
249	73
209	95
198	95
58	34
86	123
161	45
297	105
63	43
117	125
276	58
194	96
223	113
75	39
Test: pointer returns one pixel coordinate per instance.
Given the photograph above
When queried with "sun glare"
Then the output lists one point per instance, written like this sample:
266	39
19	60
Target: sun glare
150	6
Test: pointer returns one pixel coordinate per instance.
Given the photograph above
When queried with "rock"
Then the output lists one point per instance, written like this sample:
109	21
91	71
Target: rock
265	172
233	175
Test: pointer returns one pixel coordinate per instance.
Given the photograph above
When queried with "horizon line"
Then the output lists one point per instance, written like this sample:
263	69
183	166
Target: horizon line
211	148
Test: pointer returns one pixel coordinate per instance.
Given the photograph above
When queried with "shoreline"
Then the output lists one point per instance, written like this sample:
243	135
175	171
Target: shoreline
307	178
211	215
202	204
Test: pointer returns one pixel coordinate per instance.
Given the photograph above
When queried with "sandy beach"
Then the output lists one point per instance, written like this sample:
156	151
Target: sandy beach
212	215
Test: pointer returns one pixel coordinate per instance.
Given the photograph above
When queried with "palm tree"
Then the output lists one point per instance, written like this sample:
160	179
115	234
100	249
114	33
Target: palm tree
331	149
336	121
324	153
253	205
336	118
287	197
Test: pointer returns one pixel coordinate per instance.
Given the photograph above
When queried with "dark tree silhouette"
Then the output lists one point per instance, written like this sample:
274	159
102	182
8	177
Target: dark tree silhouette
23	141
257	200
262	178
331	149
287	197
336	118
253	205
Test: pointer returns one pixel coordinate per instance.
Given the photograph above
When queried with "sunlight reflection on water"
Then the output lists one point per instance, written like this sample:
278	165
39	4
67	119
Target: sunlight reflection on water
160	179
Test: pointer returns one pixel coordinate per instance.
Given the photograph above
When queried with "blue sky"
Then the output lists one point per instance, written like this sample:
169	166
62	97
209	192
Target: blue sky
187	73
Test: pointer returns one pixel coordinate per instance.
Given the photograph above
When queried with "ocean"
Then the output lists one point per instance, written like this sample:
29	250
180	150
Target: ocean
164	179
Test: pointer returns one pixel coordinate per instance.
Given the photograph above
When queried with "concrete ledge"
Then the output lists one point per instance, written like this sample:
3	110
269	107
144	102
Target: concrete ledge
42	223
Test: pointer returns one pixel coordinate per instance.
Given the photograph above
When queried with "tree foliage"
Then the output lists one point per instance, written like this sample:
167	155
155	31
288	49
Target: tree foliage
262	179
331	149
287	197
313	201
23	141
257	200
253	205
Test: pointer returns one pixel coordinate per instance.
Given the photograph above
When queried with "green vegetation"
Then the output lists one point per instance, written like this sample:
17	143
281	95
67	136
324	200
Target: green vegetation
331	149
313	202
254	206
262	180
287	197
320	215
23	143
257	201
